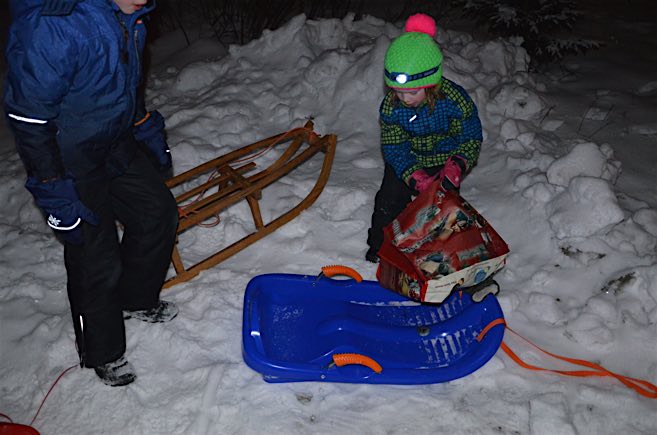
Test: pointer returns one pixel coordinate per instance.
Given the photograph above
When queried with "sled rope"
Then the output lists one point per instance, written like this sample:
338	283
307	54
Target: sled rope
284	136
43	401
50	390
642	387
182	210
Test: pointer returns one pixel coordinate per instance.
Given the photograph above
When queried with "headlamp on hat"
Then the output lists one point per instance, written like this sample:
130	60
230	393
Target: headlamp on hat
403	78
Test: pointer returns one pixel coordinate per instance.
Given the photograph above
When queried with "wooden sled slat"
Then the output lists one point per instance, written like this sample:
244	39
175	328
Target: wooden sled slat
233	184
217	181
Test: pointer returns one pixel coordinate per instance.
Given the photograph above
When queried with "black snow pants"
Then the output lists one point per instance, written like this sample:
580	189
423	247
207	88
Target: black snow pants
391	199
107	276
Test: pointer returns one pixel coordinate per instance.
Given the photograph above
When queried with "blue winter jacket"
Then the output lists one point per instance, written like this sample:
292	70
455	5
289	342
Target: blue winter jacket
71	89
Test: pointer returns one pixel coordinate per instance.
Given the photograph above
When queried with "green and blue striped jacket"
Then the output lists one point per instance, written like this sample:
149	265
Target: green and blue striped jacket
414	138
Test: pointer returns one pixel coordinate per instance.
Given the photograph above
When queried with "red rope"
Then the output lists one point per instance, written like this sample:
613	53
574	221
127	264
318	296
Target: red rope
51	388
44	399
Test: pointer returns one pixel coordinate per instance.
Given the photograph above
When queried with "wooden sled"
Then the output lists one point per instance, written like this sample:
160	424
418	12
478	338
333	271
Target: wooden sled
227	178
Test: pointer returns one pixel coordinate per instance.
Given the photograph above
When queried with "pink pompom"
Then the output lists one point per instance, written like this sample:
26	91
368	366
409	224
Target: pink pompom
421	23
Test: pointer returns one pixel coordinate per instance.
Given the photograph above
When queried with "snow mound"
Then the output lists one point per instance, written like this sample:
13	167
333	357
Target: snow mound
516	101
647	218
587	206
585	159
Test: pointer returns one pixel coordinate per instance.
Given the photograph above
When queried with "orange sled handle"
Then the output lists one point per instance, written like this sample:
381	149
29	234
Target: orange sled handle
341	270
644	388
343	359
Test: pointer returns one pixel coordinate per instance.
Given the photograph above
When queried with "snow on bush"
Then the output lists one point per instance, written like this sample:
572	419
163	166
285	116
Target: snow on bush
544	27
587	206
515	101
585	159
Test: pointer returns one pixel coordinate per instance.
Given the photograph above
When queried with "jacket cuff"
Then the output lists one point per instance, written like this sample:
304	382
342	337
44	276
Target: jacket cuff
142	120
406	174
461	161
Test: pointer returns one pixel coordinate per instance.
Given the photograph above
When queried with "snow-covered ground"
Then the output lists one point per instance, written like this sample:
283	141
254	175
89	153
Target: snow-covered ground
566	176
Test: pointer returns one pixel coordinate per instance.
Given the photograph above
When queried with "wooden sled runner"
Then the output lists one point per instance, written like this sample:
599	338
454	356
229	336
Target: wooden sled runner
228	182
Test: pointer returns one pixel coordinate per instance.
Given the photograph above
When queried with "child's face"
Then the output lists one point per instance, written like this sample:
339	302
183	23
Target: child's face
411	97
130	6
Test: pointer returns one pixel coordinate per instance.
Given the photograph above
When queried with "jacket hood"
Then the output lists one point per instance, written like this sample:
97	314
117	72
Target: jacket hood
60	7
47	7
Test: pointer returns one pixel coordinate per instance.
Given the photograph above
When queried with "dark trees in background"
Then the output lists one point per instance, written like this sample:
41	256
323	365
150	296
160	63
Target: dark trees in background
545	26
240	21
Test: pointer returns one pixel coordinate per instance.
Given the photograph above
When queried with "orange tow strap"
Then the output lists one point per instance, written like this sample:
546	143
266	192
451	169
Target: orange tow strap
642	387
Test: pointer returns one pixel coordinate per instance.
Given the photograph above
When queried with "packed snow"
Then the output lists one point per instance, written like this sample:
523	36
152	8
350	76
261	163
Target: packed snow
581	279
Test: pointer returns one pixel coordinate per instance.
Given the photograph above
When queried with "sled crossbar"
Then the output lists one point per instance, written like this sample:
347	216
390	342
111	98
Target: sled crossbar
228	180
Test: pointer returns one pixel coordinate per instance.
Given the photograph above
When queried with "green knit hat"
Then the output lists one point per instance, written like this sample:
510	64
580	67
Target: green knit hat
413	59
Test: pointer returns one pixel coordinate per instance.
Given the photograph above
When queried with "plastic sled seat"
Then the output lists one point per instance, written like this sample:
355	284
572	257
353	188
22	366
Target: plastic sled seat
301	328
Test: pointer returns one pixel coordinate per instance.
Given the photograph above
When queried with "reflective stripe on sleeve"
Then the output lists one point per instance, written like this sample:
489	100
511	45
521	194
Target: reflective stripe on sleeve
53	222
24	119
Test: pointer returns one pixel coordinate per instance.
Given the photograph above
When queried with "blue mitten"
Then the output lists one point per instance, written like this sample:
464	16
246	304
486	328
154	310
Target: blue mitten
150	131
59	200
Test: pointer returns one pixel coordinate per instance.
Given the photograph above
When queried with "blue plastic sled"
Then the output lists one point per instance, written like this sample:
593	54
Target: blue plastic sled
294	325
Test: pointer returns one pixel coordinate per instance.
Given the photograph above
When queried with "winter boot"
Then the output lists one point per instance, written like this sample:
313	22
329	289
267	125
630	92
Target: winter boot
116	373
480	291
163	312
372	255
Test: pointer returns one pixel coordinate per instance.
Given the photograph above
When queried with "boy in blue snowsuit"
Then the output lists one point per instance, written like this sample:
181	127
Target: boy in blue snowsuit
80	127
